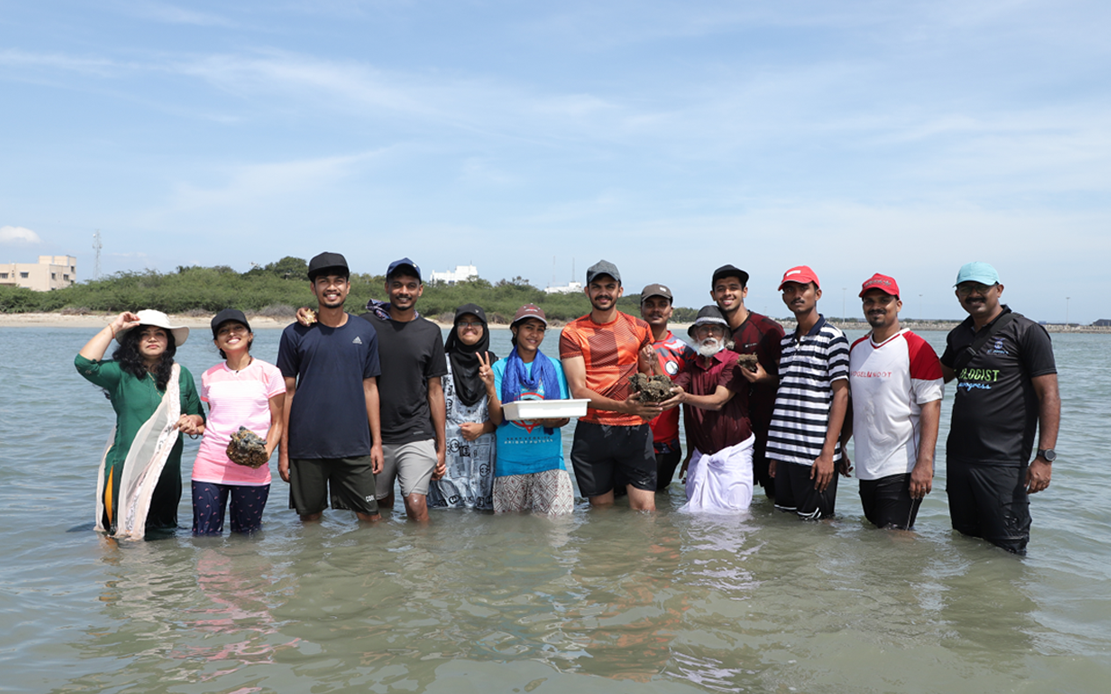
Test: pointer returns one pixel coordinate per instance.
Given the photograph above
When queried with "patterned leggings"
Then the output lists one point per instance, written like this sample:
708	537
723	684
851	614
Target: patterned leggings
210	499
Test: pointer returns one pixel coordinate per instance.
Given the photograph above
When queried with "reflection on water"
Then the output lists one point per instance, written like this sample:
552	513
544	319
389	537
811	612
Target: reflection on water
606	600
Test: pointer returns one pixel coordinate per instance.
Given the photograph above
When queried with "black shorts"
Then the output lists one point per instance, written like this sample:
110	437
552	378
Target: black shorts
990	501
351	481
666	462
887	502
794	491
603	453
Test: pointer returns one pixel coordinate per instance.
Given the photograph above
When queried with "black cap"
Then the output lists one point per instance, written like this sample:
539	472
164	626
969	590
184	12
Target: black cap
474	309
729	271
602	267
708	314
229	314
403	264
325	262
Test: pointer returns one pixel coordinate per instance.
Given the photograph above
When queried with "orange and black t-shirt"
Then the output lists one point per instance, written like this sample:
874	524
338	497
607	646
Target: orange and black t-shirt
610	351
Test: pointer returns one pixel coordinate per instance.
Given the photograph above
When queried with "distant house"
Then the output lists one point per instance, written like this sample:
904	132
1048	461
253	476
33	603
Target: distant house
462	273
51	272
1103	323
569	288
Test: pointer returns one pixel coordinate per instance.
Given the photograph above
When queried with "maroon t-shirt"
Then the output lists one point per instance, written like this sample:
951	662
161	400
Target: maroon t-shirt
761	336
708	430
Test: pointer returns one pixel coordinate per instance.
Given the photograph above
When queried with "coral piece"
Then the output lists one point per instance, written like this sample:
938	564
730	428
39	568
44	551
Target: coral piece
651	389
247	448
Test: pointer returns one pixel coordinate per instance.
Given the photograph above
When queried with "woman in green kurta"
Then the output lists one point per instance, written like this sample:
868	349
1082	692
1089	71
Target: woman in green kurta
135	381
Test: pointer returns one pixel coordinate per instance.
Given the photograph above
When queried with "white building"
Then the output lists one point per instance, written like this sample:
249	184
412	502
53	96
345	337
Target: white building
51	272
569	288
462	273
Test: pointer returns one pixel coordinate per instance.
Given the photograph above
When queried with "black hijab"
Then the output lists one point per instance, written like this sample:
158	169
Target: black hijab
464	358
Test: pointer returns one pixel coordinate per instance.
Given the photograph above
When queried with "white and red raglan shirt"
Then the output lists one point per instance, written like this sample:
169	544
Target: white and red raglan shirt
890	382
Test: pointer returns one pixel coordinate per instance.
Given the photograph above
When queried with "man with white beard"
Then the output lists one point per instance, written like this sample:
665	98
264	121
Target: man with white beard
719	435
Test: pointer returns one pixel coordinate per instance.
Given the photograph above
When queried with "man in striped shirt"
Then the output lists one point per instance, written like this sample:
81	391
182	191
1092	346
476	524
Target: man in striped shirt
804	447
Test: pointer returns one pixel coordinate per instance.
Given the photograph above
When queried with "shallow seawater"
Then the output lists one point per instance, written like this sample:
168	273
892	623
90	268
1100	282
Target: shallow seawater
605	600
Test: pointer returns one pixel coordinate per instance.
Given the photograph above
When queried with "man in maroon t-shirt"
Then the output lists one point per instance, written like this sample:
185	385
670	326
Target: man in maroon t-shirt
752	334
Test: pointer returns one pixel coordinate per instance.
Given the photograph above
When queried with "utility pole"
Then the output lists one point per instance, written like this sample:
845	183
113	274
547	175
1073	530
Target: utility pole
96	247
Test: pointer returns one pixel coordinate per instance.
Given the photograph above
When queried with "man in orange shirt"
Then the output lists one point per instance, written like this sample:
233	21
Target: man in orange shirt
600	351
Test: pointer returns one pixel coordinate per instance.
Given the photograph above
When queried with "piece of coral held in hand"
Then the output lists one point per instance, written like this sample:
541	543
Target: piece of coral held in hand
651	389
247	448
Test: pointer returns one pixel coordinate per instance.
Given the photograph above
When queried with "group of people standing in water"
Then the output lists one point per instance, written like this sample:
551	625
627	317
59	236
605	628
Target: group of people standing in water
357	404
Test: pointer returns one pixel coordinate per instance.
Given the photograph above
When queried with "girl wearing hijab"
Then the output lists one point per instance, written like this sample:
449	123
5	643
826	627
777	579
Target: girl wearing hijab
139	485
469	480
530	473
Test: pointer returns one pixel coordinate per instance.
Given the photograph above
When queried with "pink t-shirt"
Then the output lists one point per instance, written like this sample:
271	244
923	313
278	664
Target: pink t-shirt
235	399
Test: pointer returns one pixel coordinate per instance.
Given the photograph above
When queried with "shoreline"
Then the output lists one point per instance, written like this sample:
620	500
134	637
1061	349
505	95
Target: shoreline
94	320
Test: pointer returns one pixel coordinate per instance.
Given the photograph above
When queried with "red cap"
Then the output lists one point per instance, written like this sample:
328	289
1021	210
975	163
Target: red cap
801	274
881	282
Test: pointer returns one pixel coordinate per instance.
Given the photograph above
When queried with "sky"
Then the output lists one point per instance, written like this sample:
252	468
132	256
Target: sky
533	139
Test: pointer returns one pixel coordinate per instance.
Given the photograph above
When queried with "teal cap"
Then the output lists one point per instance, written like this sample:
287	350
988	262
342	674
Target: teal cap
977	272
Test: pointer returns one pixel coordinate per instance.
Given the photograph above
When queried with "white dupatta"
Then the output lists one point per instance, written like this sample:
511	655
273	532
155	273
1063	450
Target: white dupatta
143	466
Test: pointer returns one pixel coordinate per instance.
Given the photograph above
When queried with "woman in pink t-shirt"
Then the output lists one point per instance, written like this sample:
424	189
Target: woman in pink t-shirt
240	392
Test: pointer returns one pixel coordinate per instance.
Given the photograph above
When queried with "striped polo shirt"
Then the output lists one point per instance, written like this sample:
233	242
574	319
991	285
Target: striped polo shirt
807	369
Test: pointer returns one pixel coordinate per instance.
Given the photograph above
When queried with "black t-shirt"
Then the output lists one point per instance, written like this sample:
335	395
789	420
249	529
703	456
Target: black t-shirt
995	412
411	353
328	417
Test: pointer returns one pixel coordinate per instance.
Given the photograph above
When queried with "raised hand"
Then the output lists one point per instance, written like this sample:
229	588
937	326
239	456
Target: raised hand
486	370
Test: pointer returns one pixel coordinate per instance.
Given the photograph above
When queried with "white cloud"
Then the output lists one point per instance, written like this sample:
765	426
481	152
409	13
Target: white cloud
18	236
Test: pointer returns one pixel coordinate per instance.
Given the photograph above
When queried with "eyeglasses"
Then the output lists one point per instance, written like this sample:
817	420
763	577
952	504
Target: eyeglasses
473	325
967	288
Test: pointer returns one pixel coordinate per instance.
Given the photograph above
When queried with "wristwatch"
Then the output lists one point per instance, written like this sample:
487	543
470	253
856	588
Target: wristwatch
1048	454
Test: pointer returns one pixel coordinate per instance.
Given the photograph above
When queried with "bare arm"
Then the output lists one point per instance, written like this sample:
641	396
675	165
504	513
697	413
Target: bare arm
714	401
1049	422
374	417
95	348
574	368
947	373
439	424
822	470
922	476
283	452
277	424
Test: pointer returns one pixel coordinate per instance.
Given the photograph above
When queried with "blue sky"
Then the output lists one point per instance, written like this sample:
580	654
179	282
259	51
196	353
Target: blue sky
668	137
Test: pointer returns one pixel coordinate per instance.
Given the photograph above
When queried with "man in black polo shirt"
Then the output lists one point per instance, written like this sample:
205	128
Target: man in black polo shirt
1006	390
752	334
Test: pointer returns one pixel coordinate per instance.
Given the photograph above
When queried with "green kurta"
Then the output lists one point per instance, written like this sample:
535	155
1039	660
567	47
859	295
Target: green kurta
135	400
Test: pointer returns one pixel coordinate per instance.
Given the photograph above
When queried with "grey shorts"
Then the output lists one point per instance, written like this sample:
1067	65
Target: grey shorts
411	464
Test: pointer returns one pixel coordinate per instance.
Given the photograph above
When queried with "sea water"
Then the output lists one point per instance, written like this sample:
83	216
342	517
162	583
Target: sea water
608	600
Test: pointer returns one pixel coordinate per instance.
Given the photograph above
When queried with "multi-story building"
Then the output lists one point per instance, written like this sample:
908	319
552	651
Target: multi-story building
51	272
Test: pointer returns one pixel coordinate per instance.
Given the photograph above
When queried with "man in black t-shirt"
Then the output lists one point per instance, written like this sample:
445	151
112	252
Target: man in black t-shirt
1006	392
331	435
411	350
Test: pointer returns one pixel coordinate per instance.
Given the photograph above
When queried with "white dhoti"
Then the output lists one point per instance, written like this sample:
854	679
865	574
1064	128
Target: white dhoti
722	482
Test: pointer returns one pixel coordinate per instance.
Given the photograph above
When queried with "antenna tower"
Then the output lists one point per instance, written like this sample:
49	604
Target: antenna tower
96	247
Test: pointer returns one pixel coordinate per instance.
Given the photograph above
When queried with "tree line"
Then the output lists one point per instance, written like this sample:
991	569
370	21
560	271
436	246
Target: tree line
278	288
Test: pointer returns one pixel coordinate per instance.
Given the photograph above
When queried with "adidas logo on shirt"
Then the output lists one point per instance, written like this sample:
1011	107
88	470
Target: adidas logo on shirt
357	341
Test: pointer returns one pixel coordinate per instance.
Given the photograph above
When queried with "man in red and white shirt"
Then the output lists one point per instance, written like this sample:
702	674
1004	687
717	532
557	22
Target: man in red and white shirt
655	309
896	384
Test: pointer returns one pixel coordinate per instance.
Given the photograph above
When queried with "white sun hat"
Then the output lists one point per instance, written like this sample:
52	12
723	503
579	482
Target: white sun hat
159	320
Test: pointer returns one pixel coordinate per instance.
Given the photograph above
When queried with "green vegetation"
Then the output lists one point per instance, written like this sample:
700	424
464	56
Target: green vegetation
279	287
